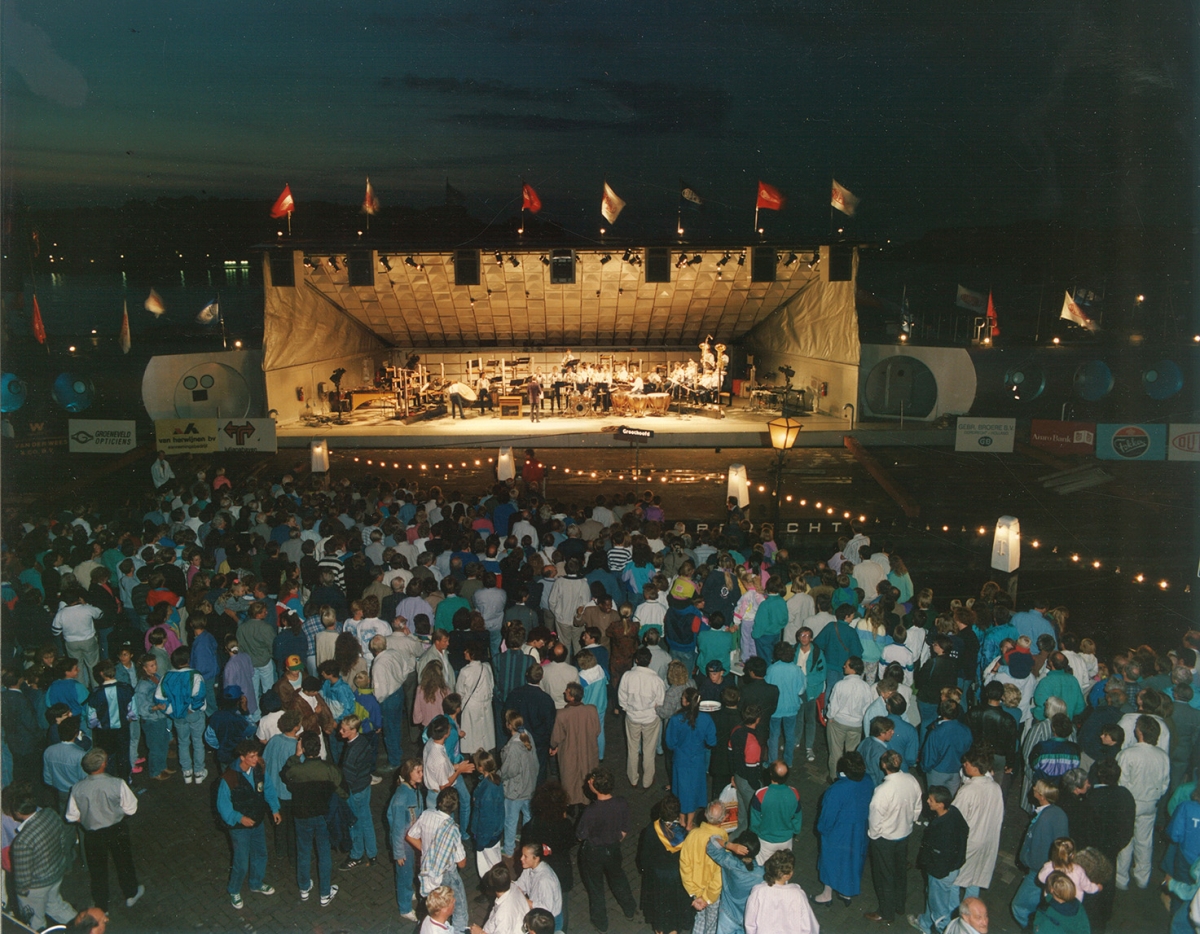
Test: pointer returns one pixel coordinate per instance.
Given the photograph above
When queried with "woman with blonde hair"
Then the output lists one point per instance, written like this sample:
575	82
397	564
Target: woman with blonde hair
431	690
746	609
677	682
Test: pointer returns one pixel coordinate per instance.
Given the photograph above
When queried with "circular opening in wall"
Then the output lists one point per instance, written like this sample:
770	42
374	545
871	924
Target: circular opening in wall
1162	380
1093	381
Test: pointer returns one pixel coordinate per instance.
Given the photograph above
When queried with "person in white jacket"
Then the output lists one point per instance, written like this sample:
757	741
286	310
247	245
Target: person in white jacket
980	800
1146	772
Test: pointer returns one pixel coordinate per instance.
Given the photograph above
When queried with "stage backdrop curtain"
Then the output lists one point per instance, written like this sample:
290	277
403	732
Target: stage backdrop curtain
301	325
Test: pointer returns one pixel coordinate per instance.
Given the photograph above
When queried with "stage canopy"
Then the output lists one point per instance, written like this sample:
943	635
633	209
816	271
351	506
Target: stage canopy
411	300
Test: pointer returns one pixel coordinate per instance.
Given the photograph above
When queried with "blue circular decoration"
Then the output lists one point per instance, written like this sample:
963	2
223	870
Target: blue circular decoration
1093	381
1025	382
74	393
1162	380
12	392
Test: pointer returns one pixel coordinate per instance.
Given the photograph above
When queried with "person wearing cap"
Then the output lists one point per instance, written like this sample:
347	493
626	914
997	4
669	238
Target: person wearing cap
713	682
290	681
683	620
315	716
715	642
229	725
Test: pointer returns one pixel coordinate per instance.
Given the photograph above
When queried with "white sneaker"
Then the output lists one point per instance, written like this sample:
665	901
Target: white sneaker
133	899
200	777
304	893
376	779
811	756
187	778
326	899
410	916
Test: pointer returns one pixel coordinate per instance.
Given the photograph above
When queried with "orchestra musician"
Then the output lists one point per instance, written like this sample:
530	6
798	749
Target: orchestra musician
535	398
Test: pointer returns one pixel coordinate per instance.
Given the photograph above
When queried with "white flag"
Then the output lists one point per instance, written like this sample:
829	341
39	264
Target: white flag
610	205
209	313
843	199
972	301
1072	312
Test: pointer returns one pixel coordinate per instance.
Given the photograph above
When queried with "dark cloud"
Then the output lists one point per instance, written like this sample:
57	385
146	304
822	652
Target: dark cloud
669	106
499	90
537	122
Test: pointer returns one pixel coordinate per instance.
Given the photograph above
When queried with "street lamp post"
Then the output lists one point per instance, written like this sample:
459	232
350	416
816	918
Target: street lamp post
784	432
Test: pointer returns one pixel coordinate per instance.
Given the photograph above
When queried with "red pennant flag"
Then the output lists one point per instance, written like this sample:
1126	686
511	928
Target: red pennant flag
769	197
529	200
284	204
123	338
39	327
993	321
370	202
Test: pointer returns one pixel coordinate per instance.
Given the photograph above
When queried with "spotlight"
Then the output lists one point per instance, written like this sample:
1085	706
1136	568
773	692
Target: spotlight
514	262
499	259
626	257
742	259
724	259
308	262
695	260
545	261
334	263
383	261
605	258
682	261
409	261
791	260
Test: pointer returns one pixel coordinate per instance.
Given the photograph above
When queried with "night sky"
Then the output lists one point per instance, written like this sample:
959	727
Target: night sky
934	114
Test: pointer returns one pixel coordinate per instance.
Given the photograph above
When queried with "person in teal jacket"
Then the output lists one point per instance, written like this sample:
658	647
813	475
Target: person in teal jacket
1058	683
770	619
790	679
1061	912
775	813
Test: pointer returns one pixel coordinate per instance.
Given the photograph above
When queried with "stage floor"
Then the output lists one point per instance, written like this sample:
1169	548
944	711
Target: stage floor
741	427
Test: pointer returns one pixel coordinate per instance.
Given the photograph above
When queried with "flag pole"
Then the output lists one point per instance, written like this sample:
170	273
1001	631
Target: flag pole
756	217
289	223
221	315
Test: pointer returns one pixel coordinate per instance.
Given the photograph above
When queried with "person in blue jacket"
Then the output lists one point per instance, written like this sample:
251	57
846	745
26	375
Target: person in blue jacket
945	743
691	733
243	808
228	726
487	812
842	828
740	873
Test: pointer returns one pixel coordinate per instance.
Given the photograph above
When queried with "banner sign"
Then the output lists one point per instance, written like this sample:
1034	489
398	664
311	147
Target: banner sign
1116	442
1063	437
634	434
1184	442
99	436
247	434
989	435
186	435
38	445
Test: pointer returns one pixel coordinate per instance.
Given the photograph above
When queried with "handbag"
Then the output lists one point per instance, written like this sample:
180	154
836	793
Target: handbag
821	718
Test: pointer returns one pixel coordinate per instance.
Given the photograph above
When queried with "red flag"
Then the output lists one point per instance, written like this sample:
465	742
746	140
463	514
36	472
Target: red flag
370	202
993	321
284	204
39	328
769	197
529	200
123	338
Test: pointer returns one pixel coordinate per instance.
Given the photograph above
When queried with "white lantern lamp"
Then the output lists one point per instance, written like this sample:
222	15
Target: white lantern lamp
1006	545
320	456
506	466
738	485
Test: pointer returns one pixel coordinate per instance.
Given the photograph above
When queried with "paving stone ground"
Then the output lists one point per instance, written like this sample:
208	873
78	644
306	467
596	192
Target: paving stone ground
182	858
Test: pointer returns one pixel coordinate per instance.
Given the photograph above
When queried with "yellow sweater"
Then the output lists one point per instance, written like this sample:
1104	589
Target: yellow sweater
700	875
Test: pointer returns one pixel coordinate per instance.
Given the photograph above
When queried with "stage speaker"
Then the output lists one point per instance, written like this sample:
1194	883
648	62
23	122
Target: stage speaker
360	268
562	267
658	264
466	267
283	269
841	262
762	264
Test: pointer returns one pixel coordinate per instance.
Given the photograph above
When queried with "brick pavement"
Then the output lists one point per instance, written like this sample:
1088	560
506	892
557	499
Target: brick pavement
182	858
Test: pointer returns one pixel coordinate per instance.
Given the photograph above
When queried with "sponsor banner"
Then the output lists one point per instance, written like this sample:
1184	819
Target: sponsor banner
634	434
1063	437
1117	442
186	435
38	445
989	435
1183	443
100	436
247	434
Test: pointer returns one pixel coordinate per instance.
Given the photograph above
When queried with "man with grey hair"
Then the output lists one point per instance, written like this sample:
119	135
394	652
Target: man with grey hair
700	873
99	804
972	918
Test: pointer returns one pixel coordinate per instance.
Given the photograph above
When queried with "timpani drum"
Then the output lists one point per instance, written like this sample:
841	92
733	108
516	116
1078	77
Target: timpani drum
639	405
659	403
622	404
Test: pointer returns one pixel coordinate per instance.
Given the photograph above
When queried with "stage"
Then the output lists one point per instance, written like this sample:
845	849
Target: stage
741	427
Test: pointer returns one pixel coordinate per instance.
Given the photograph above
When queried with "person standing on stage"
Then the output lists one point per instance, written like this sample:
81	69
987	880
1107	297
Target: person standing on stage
535	399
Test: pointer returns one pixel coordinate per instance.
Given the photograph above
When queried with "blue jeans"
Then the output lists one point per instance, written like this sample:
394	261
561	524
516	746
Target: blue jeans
404	877
941	899
249	854
264	680
806	722
687	656
494	637
464	806
765	647
786	726
157	740
513	810
189	735
454	881
392	710
313	832
362	833
1027	899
